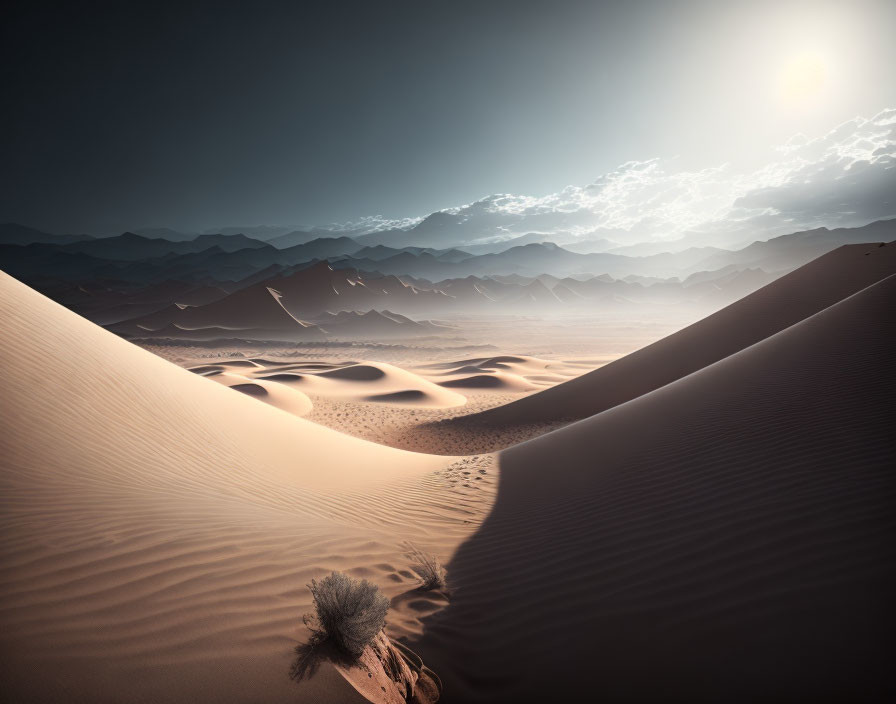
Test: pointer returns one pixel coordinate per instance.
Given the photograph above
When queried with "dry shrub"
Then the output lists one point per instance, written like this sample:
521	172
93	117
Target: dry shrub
348	612
428	568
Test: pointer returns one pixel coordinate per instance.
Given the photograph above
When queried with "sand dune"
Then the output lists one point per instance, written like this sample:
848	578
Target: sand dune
280	396
723	535
365	381
788	300
728	537
505	373
488	362
159	528
489	381
355	372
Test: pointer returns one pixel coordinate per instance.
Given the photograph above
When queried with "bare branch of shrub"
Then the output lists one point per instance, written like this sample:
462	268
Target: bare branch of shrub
428	568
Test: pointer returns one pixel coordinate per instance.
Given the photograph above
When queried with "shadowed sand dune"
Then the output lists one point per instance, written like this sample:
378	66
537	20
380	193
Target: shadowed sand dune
280	396
480	362
288	384
285	376
399	396
477	381
250	389
505	373
788	300
159	529
356	372
500	380
728	537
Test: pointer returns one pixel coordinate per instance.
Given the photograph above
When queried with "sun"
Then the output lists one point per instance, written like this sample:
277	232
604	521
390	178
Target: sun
803	77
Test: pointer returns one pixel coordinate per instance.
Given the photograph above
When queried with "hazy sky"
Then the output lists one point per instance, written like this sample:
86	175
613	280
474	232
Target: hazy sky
196	117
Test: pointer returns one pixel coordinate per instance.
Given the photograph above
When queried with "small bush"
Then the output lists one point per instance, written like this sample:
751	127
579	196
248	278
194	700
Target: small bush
428	568
349	612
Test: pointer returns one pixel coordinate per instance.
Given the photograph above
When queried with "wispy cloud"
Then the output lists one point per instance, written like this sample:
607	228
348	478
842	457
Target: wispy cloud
843	178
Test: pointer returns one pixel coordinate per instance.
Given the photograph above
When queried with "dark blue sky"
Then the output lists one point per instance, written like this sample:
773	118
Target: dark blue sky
194	116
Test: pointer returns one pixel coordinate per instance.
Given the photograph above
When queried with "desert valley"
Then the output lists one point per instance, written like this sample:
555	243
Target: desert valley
725	504
484	352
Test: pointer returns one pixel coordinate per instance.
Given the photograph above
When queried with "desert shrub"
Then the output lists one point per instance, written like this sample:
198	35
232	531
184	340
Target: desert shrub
428	568
348	612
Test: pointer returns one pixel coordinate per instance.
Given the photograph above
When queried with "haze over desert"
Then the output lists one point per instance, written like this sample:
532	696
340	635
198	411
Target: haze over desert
557	365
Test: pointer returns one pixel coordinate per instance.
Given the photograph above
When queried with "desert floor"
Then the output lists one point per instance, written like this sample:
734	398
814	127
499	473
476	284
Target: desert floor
160	529
484	364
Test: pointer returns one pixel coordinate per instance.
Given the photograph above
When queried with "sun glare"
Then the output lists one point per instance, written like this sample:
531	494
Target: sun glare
803	77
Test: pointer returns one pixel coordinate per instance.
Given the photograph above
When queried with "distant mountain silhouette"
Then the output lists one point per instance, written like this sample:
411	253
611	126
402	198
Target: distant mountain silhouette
530	260
101	278
105	303
12	233
165	233
291	239
374	324
321	248
592	246
262	233
131	247
316	290
790	251
255	312
539	238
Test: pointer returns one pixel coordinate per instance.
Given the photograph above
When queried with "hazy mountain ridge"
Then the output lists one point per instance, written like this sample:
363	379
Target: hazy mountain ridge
111	282
13	233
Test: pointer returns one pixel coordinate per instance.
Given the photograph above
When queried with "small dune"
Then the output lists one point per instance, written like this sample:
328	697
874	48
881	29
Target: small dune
290	386
282	377
278	395
399	396
207	369
479	381
466	369
357	372
509	373
250	389
247	363
505	381
480	362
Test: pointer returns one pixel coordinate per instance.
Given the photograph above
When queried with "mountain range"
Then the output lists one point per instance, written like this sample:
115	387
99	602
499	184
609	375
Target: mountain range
228	283
222	258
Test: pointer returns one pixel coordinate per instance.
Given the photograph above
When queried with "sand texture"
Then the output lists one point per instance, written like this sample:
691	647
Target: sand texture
728	537
717	525
159	529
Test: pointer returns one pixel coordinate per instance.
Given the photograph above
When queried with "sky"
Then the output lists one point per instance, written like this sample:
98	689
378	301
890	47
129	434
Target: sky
655	118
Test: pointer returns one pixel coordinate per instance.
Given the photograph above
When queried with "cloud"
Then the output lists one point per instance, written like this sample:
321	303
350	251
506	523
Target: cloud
370	223
846	177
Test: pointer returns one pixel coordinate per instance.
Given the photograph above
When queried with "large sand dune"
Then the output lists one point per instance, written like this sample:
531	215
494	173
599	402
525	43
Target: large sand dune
728	537
788	300
159	528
